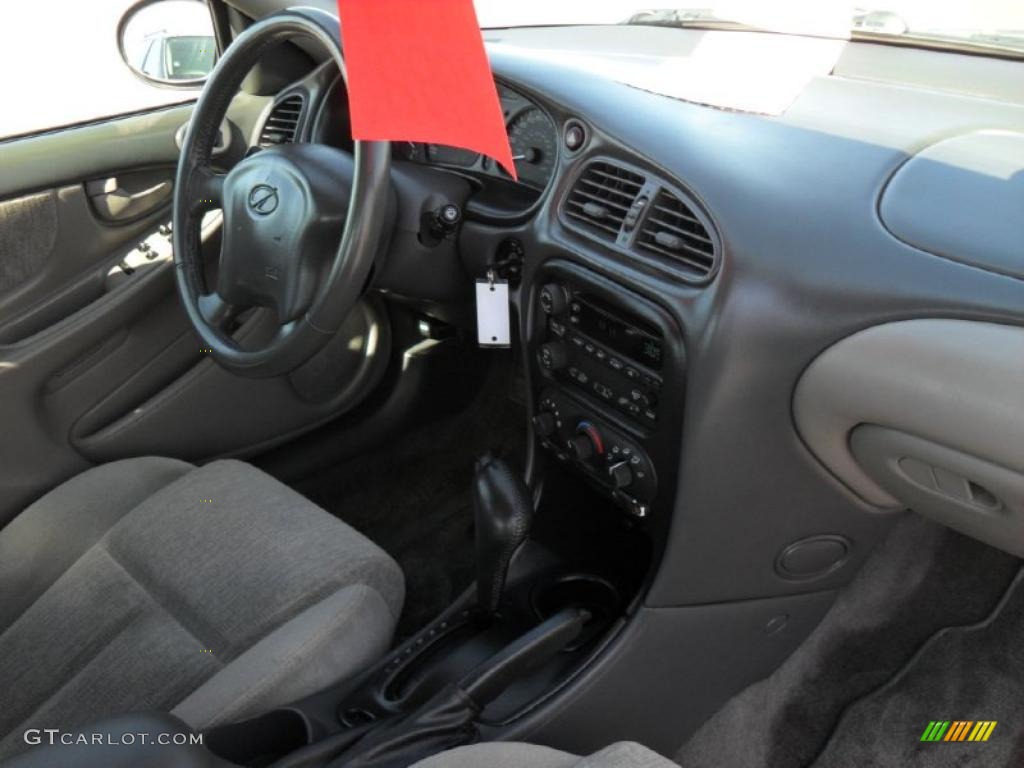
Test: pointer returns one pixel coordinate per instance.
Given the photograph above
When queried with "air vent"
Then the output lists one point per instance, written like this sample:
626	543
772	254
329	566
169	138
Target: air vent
282	123
601	197
673	230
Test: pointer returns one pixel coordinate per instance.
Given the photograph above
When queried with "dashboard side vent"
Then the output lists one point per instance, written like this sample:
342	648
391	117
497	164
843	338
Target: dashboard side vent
282	123
674	231
601	197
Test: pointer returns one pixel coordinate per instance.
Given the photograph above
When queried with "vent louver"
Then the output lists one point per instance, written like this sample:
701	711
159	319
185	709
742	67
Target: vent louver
601	197
674	231
282	123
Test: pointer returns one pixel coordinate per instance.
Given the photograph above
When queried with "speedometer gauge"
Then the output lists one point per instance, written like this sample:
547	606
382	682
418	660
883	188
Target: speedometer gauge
534	143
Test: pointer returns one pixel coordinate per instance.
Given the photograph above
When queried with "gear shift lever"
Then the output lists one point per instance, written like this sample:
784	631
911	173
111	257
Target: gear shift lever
504	512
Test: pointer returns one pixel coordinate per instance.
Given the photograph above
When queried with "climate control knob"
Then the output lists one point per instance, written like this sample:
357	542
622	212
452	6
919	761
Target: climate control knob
553	355
554	299
545	424
620	474
581	447
586	443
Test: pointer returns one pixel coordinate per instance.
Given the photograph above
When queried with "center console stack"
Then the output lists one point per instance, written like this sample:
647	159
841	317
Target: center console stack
610	371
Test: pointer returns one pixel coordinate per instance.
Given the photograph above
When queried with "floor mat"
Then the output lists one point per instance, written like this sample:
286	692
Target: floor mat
966	675
923	579
412	496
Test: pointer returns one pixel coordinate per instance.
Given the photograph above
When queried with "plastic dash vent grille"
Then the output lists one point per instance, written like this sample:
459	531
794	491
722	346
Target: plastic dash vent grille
282	123
601	197
672	230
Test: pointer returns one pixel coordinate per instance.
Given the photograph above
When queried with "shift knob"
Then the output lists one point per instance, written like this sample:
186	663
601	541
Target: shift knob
504	512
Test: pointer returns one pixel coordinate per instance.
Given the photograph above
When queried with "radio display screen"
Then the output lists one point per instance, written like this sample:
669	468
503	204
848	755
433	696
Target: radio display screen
625	338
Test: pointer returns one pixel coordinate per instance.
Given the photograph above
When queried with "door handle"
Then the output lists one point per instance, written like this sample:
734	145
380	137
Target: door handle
114	202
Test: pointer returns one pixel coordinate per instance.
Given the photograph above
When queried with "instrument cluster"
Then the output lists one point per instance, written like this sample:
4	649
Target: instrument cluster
532	136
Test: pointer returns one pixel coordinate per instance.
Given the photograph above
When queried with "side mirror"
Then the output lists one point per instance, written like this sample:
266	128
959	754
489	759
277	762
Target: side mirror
168	42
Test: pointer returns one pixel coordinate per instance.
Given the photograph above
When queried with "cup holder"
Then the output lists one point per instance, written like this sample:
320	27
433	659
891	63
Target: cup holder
579	590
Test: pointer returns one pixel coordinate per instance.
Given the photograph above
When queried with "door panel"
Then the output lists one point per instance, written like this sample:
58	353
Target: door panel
97	358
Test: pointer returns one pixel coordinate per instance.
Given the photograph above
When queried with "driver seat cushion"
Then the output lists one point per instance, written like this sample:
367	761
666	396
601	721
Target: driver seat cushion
214	592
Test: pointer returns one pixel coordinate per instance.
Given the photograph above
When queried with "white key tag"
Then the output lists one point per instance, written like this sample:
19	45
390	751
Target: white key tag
492	312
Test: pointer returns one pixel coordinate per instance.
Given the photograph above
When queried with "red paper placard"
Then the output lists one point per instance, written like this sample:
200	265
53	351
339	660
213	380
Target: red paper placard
418	71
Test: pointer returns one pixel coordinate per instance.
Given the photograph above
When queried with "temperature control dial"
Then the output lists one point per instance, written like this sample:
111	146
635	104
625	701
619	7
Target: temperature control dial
586	443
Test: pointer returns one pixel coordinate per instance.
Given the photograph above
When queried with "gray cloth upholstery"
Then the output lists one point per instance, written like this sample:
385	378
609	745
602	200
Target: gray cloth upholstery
28	233
625	754
216	592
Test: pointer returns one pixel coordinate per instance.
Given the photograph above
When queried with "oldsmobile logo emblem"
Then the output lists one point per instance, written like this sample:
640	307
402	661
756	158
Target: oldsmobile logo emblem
263	199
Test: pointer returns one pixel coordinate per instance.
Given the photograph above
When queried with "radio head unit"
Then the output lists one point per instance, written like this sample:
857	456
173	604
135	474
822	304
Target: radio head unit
603	351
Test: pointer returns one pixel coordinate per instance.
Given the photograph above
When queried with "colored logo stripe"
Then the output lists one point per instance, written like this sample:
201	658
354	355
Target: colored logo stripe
935	730
982	730
958	730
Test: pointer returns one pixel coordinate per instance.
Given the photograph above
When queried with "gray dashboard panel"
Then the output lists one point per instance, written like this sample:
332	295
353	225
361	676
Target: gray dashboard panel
806	263
963	198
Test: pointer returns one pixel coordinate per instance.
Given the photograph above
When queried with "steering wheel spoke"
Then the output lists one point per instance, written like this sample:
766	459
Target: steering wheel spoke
208	188
217	313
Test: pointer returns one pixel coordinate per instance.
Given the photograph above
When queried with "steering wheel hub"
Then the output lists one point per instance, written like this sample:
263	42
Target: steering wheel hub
284	211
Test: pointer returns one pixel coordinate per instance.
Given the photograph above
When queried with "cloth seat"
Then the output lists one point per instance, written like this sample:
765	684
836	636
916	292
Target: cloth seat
214	593
625	754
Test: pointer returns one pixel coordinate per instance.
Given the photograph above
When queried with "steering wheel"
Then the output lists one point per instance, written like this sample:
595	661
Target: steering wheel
283	247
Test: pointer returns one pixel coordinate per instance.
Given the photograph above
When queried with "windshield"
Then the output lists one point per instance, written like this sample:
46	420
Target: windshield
996	23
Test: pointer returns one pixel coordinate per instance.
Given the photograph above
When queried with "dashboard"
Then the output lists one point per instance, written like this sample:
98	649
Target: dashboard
729	248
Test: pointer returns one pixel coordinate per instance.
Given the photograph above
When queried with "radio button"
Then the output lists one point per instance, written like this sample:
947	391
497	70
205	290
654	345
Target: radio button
577	341
614	363
632	373
640	398
651	383
557	328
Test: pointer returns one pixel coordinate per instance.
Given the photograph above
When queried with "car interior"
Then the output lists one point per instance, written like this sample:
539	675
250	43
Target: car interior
743	486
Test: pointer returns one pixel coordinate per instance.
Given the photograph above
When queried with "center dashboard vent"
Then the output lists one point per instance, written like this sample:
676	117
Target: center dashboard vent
601	197
673	230
282	125
644	215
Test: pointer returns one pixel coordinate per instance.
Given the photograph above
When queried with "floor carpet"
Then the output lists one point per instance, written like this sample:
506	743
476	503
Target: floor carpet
962	674
844	683
412	496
